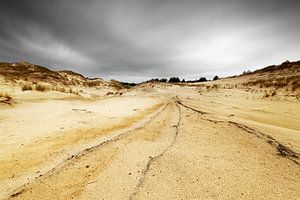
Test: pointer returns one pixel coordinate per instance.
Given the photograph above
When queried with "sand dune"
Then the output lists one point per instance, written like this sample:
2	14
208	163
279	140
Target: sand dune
217	140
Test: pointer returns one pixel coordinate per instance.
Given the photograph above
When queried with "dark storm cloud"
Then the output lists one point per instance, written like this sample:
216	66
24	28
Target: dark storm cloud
138	39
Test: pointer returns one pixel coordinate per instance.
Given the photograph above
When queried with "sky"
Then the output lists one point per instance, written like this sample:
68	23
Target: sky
135	40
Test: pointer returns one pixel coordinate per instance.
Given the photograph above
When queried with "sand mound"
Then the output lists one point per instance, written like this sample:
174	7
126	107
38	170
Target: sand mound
285	76
23	71
25	77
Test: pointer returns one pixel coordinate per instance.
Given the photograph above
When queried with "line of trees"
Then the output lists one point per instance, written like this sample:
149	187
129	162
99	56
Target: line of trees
177	80
171	80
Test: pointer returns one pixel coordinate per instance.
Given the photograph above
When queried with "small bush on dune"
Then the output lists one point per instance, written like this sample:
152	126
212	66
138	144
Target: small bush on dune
26	87
207	87
41	88
298	96
5	95
273	92
266	95
65	90
6	98
215	86
73	91
61	90
295	86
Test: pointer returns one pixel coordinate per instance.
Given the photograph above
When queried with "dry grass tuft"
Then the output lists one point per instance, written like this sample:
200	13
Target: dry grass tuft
5	95
44	88
6	98
215	86
270	93
273	93
63	90
41	88
26	87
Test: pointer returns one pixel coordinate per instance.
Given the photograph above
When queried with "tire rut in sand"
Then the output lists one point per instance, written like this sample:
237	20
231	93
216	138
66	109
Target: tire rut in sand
153	159
130	168
72	160
219	161
281	148
82	173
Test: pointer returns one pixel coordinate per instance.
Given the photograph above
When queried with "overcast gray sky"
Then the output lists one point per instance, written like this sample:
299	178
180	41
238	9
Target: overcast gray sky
134	40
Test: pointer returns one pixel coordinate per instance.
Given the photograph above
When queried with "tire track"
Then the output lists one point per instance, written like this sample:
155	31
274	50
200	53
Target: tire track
147	168
283	150
73	158
189	107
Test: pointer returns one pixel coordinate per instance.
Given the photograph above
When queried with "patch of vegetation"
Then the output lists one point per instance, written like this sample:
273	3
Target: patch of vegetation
6	98
215	86
41	88
246	72
73	91
174	80
201	79
273	93
26	87
63	90
92	83
5	95
114	93
269	93
292	82
295	85
297	96
125	84
216	78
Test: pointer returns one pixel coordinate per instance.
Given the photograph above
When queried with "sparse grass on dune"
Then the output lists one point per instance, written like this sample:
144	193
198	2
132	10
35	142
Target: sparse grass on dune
45	88
269	94
26	87
281	82
41	88
6	98
112	93
5	95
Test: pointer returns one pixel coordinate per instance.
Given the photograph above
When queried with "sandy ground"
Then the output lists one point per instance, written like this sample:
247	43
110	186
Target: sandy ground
154	143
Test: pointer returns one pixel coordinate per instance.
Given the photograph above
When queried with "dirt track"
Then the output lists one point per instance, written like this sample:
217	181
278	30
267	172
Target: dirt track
172	150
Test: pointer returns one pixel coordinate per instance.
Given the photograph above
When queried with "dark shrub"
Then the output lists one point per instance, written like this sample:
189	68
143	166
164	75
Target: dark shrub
216	78
40	88
26	87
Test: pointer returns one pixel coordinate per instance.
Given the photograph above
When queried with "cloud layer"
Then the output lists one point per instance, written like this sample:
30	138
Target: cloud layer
133	40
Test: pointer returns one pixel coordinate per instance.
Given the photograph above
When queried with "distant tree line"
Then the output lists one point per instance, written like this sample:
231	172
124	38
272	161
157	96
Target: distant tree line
246	72
172	80
128	84
177	80
202	79
163	80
